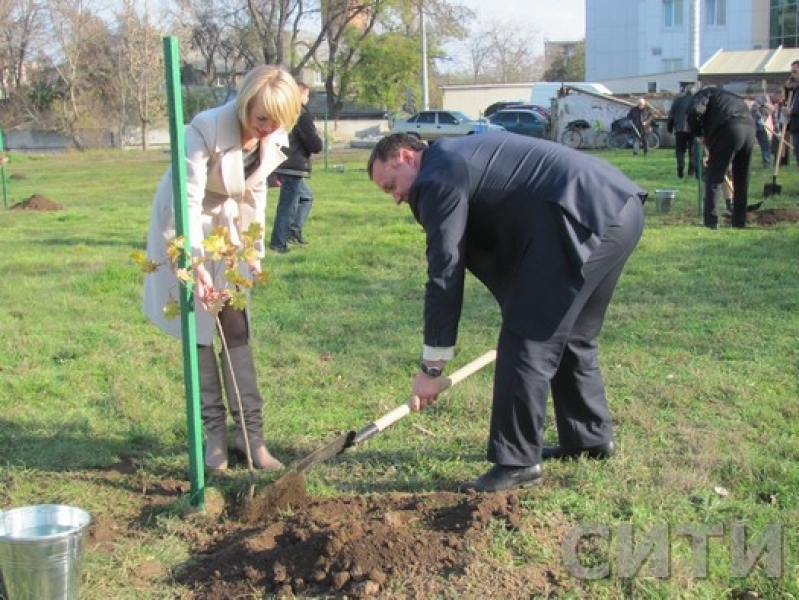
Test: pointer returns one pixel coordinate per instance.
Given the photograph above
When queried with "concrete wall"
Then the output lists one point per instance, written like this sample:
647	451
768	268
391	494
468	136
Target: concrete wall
337	133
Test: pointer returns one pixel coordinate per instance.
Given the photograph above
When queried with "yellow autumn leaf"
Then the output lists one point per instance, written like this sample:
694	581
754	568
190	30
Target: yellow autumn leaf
171	309
238	299
262	278
175	248
184	276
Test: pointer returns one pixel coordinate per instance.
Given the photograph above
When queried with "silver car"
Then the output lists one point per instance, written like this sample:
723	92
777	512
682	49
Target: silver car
430	125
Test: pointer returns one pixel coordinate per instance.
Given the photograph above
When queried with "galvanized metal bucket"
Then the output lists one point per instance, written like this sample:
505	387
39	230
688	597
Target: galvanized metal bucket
664	200
41	548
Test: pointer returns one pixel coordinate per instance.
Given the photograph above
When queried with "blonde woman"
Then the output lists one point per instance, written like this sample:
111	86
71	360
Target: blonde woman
230	150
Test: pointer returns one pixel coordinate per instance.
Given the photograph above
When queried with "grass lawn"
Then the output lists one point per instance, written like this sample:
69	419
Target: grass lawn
699	353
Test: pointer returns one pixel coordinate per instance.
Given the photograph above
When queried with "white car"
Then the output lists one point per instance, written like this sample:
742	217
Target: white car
429	125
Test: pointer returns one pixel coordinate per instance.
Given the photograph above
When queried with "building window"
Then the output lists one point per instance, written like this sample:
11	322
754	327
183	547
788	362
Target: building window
670	65
672	13
784	24
716	12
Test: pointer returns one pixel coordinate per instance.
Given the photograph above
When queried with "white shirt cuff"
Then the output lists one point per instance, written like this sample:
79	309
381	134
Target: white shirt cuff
438	353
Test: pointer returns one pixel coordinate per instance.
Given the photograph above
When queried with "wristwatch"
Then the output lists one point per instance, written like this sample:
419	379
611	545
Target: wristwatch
431	371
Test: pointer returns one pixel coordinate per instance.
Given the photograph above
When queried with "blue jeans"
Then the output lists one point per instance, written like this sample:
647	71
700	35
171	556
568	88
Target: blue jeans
293	207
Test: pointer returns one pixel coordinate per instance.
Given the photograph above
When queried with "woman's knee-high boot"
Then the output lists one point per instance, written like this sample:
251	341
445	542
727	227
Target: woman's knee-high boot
213	412
242	379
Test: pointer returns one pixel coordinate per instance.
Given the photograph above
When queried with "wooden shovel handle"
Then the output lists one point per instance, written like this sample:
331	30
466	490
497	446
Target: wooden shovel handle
404	409
781	145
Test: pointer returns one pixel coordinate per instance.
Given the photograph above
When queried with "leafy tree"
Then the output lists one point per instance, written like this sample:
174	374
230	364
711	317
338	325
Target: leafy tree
387	63
568	68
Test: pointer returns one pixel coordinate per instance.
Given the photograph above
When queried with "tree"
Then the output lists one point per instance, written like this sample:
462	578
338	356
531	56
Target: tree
140	73
568	68
498	53
20	24
79	50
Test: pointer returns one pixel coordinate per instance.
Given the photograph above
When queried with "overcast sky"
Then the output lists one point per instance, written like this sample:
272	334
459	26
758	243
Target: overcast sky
555	20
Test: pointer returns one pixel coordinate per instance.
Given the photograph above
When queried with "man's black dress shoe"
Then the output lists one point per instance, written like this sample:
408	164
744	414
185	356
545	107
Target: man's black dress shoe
600	452
499	478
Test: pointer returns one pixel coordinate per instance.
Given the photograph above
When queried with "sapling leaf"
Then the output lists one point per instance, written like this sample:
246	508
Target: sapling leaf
238	299
184	276
171	309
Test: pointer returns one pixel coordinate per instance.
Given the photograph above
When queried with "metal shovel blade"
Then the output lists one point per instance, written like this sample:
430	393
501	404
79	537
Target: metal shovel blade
772	189
352	438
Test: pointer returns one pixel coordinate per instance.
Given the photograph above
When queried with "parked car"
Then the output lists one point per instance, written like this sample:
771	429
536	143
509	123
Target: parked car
505	105
429	125
523	121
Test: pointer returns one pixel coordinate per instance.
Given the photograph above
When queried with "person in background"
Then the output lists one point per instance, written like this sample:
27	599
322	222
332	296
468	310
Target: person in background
230	150
779	122
641	117
761	111
721	121
547	230
792	108
677	124
296	198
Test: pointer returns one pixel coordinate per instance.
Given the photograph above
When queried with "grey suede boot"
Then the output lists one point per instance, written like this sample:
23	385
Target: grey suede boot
241	385
212	408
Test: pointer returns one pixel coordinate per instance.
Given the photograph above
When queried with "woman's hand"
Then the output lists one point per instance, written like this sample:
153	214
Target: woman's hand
204	287
255	266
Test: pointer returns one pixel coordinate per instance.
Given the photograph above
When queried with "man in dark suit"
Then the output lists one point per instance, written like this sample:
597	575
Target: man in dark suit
721	121
678	125
547	230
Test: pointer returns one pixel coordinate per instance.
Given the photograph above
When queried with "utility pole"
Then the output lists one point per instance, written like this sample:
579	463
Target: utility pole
425	94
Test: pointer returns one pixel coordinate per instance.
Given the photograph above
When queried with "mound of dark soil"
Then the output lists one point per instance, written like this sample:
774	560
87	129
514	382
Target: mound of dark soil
393	545
773	216
37	202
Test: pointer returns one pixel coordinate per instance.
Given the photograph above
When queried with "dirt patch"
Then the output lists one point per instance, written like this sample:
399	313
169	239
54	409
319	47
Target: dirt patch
773	216
37	202
393	545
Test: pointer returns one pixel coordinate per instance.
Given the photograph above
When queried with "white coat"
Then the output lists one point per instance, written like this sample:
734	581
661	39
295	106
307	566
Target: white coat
217	194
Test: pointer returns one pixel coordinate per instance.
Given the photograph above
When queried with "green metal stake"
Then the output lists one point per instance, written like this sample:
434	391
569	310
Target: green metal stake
187	317
700	157
3	168
327	139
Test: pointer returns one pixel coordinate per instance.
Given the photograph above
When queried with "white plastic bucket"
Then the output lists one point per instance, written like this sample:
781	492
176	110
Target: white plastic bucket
40	551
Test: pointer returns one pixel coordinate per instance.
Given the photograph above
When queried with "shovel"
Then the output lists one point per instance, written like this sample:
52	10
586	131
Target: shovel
353	438
290	488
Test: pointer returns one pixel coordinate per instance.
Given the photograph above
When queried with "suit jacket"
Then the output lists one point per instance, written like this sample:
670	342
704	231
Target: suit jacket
522	214
217	194
678	122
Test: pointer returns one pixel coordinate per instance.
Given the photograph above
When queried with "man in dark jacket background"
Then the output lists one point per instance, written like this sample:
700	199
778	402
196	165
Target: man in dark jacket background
547	230
677	124
296	197
721	120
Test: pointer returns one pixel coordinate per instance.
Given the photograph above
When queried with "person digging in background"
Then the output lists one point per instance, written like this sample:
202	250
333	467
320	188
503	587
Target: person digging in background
761	112
720	120
641	117
230	150
547	230
296	198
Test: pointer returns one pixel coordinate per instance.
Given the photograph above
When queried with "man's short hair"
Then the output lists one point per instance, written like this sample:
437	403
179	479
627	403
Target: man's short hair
390	146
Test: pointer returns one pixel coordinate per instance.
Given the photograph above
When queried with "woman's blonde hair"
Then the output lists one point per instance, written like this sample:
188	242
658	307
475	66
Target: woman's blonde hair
276	91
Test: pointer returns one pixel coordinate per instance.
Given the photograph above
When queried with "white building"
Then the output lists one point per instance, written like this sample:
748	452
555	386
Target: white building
626	38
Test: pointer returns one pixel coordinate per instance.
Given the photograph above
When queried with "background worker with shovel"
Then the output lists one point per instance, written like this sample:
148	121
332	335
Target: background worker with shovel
547	230
721	120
